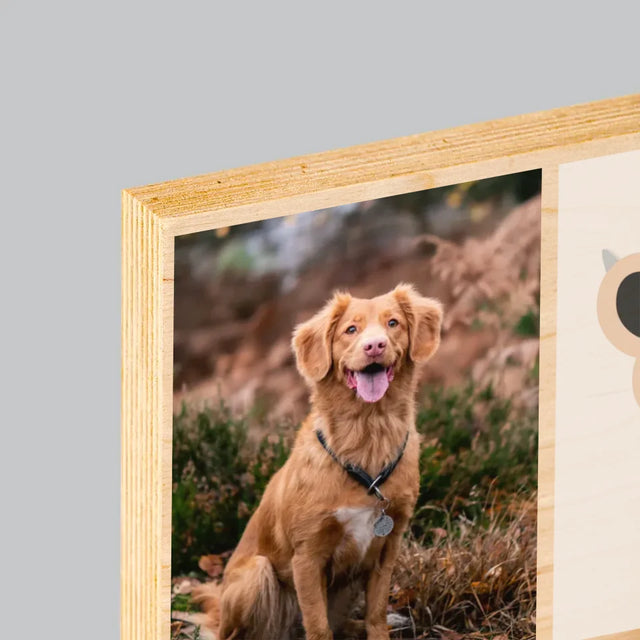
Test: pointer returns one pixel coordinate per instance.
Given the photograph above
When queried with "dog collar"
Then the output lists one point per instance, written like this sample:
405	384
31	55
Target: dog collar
358	473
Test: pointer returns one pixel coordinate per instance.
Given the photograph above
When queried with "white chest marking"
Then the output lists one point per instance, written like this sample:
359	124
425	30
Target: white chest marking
358	523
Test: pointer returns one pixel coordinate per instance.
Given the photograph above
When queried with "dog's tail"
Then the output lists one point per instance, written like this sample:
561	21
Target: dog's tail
208	596
252	601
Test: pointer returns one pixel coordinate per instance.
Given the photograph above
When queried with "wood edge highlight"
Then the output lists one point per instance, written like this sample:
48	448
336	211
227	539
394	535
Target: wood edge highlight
165	439
632	634
144	584
547	400
394	161
423	177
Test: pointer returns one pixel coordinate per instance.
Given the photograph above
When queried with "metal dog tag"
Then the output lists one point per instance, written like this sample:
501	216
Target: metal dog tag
383	526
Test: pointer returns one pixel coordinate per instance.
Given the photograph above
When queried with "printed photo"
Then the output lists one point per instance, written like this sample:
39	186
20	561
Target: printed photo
355	433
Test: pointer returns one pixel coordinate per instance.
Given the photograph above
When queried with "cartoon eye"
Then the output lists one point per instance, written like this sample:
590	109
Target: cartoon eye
351	329
393	322
628	303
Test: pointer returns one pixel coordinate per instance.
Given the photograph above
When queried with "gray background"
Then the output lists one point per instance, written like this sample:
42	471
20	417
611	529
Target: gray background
100	96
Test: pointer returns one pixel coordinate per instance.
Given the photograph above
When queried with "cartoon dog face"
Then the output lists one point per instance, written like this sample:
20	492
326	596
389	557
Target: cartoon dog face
619	308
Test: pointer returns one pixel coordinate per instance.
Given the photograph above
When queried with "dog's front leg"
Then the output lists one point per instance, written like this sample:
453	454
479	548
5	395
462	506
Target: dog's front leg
377	597
310	582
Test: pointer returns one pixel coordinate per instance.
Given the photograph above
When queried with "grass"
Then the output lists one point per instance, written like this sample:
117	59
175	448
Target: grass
528	324
475	444
182	631
218	480
469	559
474	578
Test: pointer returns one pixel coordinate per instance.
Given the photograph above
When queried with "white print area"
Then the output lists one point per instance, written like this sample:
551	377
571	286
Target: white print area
358	523
597	475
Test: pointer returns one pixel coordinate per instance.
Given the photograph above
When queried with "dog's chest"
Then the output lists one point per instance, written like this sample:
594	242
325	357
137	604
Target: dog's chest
358	526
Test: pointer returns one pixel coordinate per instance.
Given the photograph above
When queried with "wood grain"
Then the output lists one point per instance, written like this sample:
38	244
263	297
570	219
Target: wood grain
547	413
394	166
153	215
147	320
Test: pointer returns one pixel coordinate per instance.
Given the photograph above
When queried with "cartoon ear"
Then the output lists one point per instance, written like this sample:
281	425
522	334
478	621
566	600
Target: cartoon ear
609	259
424	318
312	339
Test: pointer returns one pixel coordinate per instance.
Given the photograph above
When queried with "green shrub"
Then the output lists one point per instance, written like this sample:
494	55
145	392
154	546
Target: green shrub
529	324
474	445
218	480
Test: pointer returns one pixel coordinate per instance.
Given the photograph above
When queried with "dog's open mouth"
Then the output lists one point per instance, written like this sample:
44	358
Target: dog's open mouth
372	382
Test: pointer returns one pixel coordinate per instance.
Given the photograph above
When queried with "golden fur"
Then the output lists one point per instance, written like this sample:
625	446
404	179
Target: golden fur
309	549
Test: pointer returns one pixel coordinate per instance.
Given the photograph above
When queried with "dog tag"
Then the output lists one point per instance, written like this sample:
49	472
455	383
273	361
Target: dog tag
383	526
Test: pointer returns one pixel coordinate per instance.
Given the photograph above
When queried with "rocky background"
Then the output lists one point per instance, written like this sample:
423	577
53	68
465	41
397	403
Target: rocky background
240	291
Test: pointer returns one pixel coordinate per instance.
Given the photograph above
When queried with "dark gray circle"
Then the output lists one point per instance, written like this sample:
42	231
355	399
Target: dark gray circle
628	303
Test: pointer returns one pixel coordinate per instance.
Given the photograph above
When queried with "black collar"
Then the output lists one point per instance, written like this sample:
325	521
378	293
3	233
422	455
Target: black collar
360	475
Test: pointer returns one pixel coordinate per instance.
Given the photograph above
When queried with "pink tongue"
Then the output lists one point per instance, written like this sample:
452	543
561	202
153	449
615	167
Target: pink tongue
371	386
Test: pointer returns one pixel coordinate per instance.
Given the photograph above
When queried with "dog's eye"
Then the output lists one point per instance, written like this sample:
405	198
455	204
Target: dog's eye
628	303
393	322
351	329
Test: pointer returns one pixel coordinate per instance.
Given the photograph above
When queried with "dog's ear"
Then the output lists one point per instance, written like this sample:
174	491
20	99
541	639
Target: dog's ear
312	339
424	319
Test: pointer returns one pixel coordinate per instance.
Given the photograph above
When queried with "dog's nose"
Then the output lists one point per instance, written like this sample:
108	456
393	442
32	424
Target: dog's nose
375	346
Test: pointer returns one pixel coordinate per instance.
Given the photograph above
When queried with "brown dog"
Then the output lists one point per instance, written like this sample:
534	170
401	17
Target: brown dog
317	540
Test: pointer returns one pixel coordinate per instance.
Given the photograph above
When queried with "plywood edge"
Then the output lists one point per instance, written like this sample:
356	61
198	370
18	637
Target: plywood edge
395	160
142	580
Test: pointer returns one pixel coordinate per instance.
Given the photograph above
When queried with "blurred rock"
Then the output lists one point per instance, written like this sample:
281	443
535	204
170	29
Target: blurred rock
233	329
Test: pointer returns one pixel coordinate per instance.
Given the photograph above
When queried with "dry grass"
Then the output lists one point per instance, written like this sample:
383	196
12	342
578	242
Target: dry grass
469	568
472	582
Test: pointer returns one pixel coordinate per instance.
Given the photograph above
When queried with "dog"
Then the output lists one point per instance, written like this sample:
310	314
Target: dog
619	308
329	527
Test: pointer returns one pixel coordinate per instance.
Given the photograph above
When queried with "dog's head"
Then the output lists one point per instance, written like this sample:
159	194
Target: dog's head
619	308
365	344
